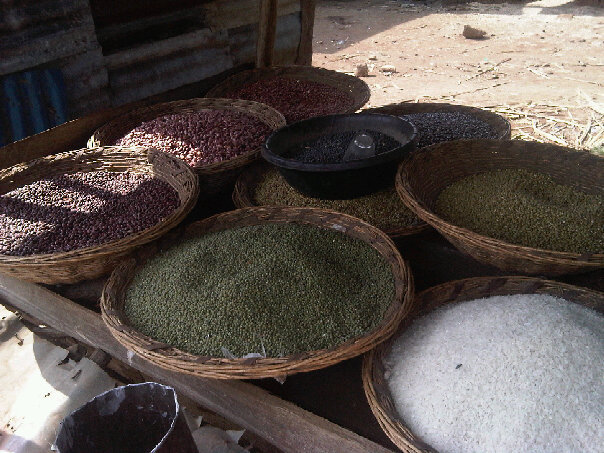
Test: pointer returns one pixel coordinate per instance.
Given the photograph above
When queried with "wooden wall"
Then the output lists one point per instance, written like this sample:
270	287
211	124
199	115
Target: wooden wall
113	52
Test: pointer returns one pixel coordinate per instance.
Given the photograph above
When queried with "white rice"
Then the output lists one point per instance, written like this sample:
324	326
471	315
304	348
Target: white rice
521	373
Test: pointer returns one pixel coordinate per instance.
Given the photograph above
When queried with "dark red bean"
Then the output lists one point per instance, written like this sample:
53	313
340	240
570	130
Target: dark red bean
296	99
69	212
200	138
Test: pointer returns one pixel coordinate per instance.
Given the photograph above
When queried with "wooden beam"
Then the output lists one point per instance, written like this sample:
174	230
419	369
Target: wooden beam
281	423
307	13
267	30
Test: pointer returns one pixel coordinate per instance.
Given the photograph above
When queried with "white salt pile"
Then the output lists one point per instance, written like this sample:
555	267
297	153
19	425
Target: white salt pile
521	373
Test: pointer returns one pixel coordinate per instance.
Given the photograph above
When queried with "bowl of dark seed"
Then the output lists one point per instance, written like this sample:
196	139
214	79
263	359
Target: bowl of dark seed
525	207
340	156
74	216
262	185
216	137
439	122
260	292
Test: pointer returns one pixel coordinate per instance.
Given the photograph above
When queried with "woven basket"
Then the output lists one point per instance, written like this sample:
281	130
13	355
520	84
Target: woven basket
243	197
213	178
355	88
112	301
424	174
498	123
375	385
92	262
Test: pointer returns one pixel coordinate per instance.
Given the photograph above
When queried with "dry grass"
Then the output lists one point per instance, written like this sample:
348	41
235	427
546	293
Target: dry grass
579	126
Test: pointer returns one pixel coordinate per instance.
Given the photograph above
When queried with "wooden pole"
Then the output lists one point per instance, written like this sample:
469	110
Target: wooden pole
307	18
281	423
267	30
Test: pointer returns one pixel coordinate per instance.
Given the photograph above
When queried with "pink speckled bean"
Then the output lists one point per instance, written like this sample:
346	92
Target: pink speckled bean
200	138
295	99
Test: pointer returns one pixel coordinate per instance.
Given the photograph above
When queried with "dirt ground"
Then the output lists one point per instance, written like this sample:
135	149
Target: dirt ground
541	63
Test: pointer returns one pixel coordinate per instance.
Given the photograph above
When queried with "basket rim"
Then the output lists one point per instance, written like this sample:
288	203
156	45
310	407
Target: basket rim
359	86
244	368
246	182
504	126
417	205
118	245
379	397
199	105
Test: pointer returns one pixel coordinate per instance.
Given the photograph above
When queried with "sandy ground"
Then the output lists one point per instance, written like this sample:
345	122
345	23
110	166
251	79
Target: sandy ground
541	63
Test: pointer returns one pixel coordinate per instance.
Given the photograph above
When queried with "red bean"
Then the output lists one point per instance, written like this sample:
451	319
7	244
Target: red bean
69	212
295	99
200	138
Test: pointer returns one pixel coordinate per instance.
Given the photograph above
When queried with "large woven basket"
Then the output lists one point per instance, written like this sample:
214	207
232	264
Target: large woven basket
424	174
92	262
355	88
374	381
243	197
498	123
213	178
112	301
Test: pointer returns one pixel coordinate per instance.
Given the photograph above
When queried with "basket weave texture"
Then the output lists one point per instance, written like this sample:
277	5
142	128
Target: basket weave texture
424	174
498	123
213	178
374	381
92	262
112	301
243	197
355	88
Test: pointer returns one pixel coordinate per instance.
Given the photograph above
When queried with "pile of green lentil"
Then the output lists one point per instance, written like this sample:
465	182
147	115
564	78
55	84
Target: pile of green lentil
279	288
526	208
384	209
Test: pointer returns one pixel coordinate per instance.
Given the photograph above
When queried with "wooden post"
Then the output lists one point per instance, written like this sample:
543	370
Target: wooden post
307	18
267	29
283	424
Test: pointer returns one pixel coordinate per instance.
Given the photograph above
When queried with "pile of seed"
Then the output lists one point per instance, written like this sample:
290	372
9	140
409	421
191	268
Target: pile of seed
439	127
330	148
384	209
278	288
502	374
200	138
296	99
79	210
526	208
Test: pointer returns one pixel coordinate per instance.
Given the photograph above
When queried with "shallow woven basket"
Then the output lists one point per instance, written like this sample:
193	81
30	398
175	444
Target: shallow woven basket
243	197
92	262
375	385
424	174
213	178
498	123
354	87
112	301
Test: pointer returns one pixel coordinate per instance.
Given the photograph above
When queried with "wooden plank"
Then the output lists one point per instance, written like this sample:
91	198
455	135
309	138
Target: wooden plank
157	49
281	423
267	30
47	48
236	13
307	24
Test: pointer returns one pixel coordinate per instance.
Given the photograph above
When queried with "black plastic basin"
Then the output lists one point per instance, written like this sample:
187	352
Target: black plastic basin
343	179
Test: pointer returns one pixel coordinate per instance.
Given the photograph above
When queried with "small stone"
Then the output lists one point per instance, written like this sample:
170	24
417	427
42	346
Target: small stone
473	33
373	57
361	70
388	68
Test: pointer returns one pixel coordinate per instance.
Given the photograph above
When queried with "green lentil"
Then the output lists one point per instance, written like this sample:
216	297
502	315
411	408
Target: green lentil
383	209
526	208
282	288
